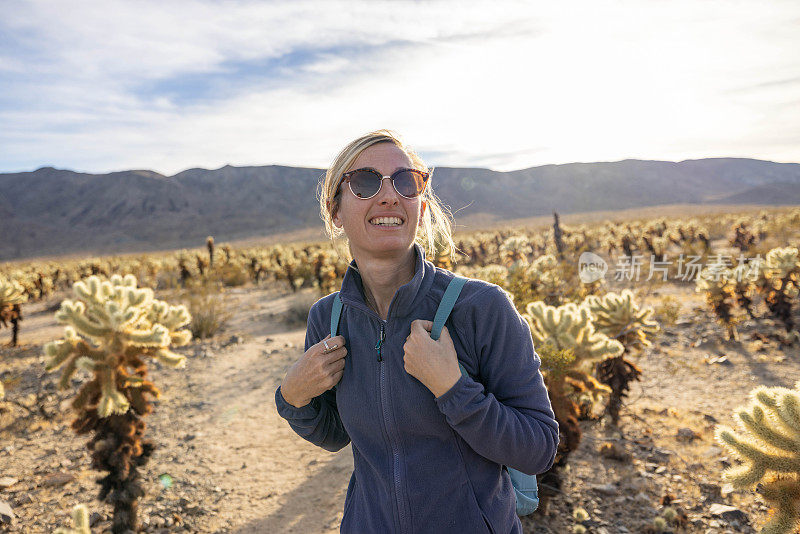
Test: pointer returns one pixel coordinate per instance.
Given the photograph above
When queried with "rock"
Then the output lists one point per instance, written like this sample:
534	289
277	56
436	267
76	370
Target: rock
605	489
686	435
234	340
95	518
729	514
6	513
711	492
7	482
718	359
614	452
704	343
202	352
710	419
660	455
58	479
726	490
22	500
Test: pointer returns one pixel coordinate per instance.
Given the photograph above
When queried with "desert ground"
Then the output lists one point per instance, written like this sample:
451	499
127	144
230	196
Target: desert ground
237	467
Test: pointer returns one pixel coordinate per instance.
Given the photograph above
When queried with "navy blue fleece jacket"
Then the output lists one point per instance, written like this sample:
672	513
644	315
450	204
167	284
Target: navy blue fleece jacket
421	463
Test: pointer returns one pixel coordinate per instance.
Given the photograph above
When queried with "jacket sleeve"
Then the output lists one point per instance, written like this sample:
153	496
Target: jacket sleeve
513	422
318	421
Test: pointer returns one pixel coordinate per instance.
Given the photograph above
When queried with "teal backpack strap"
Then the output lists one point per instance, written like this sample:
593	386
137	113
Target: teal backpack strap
335	314
446	305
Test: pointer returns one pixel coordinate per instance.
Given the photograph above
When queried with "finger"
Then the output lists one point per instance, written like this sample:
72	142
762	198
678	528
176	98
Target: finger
445	333
336	366
335	342
337	377
422	324
332	344
335	355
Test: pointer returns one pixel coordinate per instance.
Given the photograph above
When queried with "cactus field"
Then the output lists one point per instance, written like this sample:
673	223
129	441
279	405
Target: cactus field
141	387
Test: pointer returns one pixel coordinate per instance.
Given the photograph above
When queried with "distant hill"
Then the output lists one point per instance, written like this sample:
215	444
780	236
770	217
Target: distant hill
52	211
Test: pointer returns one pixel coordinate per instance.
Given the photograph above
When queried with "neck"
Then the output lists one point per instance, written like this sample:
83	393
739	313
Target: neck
383	276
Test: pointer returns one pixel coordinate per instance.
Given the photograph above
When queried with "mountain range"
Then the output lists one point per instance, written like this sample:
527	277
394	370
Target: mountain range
52	211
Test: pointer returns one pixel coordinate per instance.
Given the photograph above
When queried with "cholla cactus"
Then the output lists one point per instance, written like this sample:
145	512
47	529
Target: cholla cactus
570	327
515	250
743	277
771	453
11	298
111	328
566	341
742	237
492	273
782	275
80	522
716	281
619	317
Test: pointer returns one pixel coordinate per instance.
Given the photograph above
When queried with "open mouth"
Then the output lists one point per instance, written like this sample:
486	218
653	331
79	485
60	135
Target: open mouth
386	222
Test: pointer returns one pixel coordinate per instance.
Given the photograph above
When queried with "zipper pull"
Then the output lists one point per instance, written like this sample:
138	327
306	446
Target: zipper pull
378	345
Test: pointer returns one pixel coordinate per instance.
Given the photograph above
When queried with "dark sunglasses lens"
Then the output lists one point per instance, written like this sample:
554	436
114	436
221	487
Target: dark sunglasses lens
409	184
364	184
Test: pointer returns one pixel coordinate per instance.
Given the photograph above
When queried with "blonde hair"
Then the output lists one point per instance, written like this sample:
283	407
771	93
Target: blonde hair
435	226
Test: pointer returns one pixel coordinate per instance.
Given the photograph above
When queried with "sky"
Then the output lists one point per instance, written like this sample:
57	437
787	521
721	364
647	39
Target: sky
101	86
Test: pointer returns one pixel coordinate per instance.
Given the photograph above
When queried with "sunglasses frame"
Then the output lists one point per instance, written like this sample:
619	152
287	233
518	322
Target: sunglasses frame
346	178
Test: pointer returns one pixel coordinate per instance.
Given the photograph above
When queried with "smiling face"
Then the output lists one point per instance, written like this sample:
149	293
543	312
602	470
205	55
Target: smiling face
354	214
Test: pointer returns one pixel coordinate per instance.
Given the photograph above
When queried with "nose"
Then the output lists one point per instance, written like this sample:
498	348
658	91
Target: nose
387	194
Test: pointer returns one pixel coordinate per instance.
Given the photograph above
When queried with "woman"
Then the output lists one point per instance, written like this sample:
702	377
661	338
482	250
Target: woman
428	443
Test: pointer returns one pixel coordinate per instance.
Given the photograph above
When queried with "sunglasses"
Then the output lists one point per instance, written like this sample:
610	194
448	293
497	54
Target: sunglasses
365	183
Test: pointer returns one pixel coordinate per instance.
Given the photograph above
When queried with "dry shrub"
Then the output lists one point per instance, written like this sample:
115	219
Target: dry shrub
297	314
667	312
209	309
232	276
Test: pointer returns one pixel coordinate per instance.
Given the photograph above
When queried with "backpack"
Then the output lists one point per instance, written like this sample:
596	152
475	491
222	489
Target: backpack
525	487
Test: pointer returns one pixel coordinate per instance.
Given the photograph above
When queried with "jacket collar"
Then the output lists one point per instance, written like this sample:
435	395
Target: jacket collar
405	299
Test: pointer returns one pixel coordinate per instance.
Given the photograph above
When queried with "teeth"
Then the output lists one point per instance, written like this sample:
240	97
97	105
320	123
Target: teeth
386	221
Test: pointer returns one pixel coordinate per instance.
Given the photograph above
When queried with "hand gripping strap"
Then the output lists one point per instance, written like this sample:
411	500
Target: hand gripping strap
335	314
445	307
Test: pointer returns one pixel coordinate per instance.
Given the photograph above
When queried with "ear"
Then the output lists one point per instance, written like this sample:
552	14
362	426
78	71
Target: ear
337	221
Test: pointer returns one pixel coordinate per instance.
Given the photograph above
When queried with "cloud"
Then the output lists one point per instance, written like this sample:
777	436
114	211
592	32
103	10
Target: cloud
102	86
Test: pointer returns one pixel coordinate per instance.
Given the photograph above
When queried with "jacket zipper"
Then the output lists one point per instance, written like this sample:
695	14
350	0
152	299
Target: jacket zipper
399	499
380	342
385	409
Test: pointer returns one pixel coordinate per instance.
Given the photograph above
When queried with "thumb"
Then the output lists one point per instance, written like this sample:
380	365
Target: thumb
445	333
